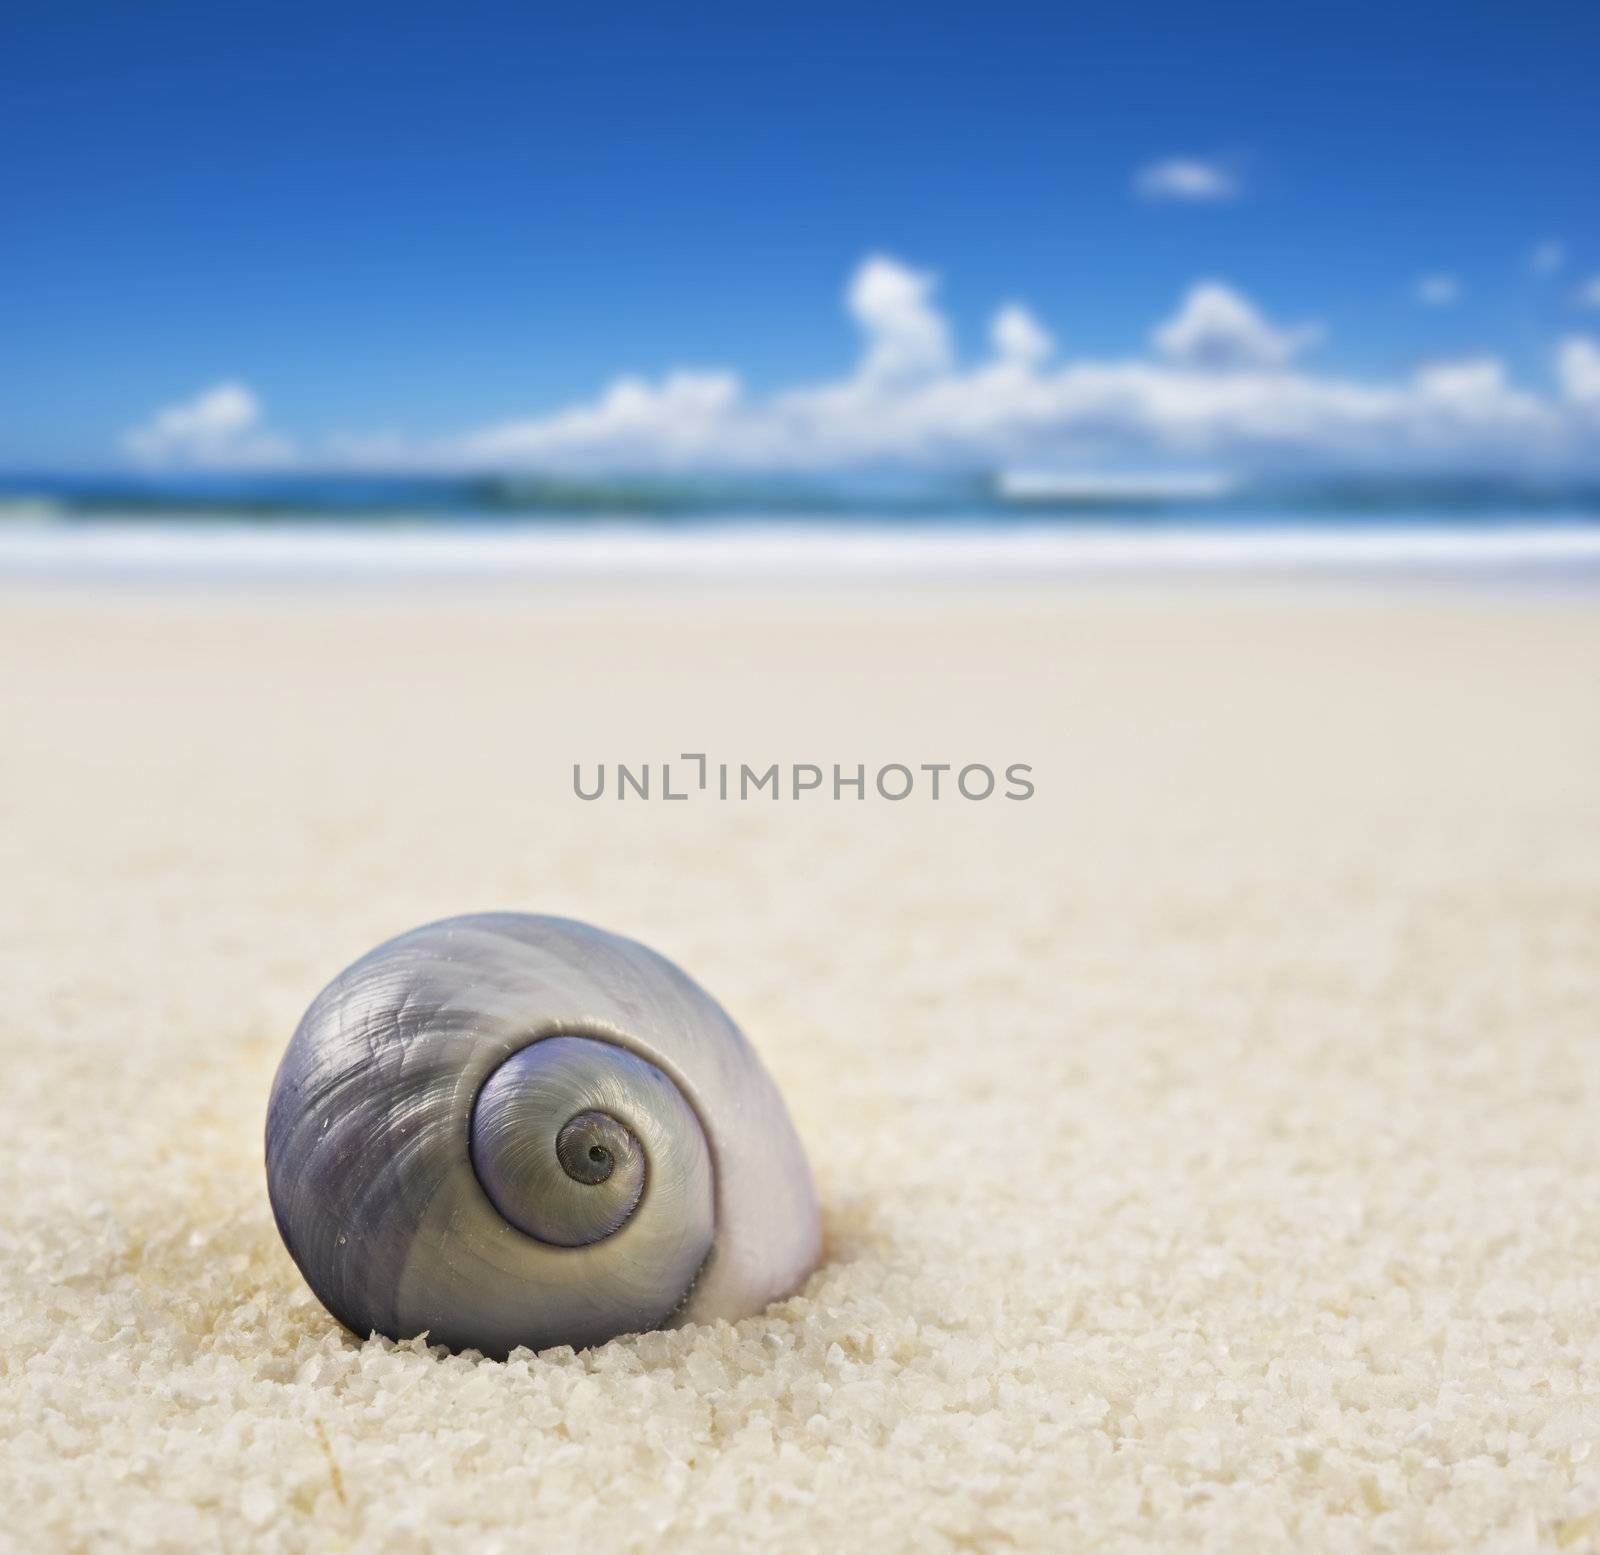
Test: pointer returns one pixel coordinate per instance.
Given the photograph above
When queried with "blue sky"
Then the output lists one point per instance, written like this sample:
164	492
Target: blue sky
396	227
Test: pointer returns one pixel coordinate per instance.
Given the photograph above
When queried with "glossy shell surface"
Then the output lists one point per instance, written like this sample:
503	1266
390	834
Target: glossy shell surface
505	1130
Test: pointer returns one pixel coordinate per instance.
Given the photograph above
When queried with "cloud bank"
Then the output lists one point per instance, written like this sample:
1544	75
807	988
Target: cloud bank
1222	382
1578	367
1217	328
221	428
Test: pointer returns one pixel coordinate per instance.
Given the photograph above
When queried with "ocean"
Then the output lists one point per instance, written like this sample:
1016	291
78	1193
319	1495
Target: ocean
891	525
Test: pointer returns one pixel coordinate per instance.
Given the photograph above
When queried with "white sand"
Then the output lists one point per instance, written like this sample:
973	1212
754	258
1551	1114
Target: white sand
1208	1146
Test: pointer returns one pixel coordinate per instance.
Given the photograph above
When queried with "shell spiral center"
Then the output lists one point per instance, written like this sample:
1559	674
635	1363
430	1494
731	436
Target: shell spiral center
565	1135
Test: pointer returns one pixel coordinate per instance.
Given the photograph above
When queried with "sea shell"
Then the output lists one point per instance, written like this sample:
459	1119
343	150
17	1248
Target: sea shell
505	1130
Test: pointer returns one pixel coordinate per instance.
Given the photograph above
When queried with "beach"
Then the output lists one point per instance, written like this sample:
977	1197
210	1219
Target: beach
1206	1141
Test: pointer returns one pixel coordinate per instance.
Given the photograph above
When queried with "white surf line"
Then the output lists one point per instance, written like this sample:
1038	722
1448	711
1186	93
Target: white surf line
136	549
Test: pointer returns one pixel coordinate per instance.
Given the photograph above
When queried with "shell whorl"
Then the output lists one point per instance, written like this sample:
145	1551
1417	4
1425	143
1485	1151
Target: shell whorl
563	1136
512	1130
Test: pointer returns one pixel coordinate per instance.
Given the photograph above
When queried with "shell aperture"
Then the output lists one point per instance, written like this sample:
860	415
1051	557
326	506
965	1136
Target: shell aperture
511	1130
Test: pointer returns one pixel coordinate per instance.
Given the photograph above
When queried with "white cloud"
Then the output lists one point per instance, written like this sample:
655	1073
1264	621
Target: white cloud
1588	294
1438	291
906	335
1547	257
1019	337
680	422
221	427
1190	179
1225	386
1218	328
1578	371
1474	391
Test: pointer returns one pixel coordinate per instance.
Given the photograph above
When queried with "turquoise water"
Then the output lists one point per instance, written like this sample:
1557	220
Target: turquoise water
853	501
428	530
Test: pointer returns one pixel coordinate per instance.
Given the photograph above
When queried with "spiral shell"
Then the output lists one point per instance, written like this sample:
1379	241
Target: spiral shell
507	1130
